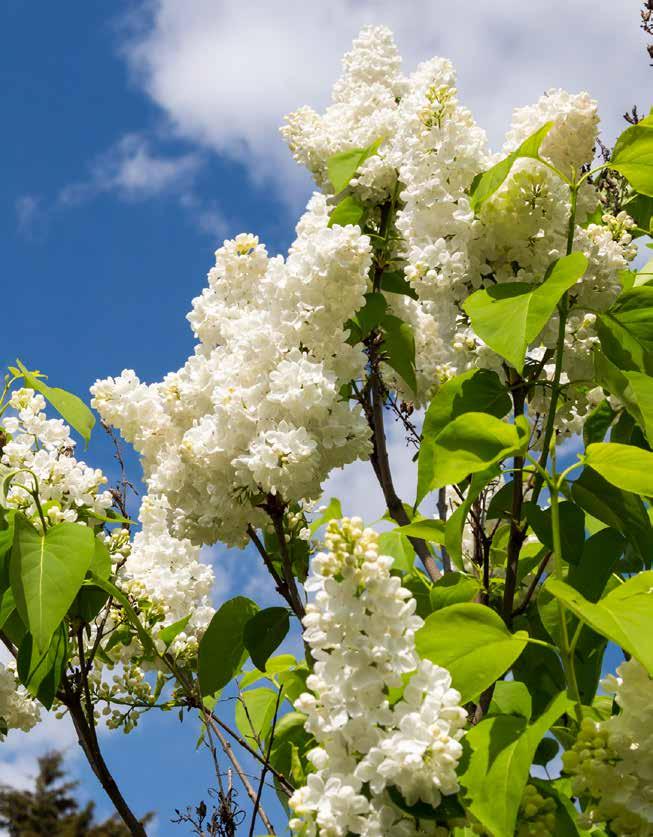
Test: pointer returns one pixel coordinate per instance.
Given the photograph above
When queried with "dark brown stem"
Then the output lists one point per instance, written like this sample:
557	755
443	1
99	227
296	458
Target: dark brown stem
274	506
442	512
523	606
88	742
280	584
381	465
517	534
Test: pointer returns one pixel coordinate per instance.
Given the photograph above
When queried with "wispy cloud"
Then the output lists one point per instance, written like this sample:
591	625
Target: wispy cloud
225	73
27	214
131	170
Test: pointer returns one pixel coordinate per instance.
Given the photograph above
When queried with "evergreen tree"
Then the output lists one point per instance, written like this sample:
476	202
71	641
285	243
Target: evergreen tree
51	808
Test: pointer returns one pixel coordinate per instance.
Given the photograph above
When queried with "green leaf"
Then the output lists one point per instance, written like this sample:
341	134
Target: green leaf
371	314
502	750
625	466
254	713
344	165
479	391
397	546
428	529
399	348
264	633
483	649
222	648
289	733
508	317
511	697
41	673
486	184
600	555
168	634
547	749
572	528
453	588
333	511
633	388
90	600
6	531
620	510
394	282
348	211
471	443
633	156
598	423
71	408
640	208
626	330
46	573
624	616
449	807
420	587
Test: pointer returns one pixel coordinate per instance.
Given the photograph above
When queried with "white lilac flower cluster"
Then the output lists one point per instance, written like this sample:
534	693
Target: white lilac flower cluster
168	572
612	761
430	152
257	409
38	452
17	709
360	627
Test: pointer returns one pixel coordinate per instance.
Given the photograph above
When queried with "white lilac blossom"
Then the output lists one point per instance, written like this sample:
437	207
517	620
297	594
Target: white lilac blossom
257	409
168	572
612	761
430	151
360	626
17	709
37	453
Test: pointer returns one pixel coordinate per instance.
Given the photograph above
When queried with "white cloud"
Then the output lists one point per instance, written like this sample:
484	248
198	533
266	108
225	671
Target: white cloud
225	73
133	171
27	212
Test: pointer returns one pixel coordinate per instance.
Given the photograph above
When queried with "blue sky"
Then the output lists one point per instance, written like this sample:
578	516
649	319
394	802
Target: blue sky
136	136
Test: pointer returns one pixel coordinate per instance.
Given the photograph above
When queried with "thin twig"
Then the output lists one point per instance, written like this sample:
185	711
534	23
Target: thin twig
265	766
228	749
523	606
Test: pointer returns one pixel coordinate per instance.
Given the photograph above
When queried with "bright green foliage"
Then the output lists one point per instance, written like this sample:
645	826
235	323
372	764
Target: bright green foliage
72	409
502	750
343	166
623	616
487	183
399	348
471	443
625	466
348	211
46	572
264	633
633	156
41	673
475	391
222	649
510	316
254	714
483	651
